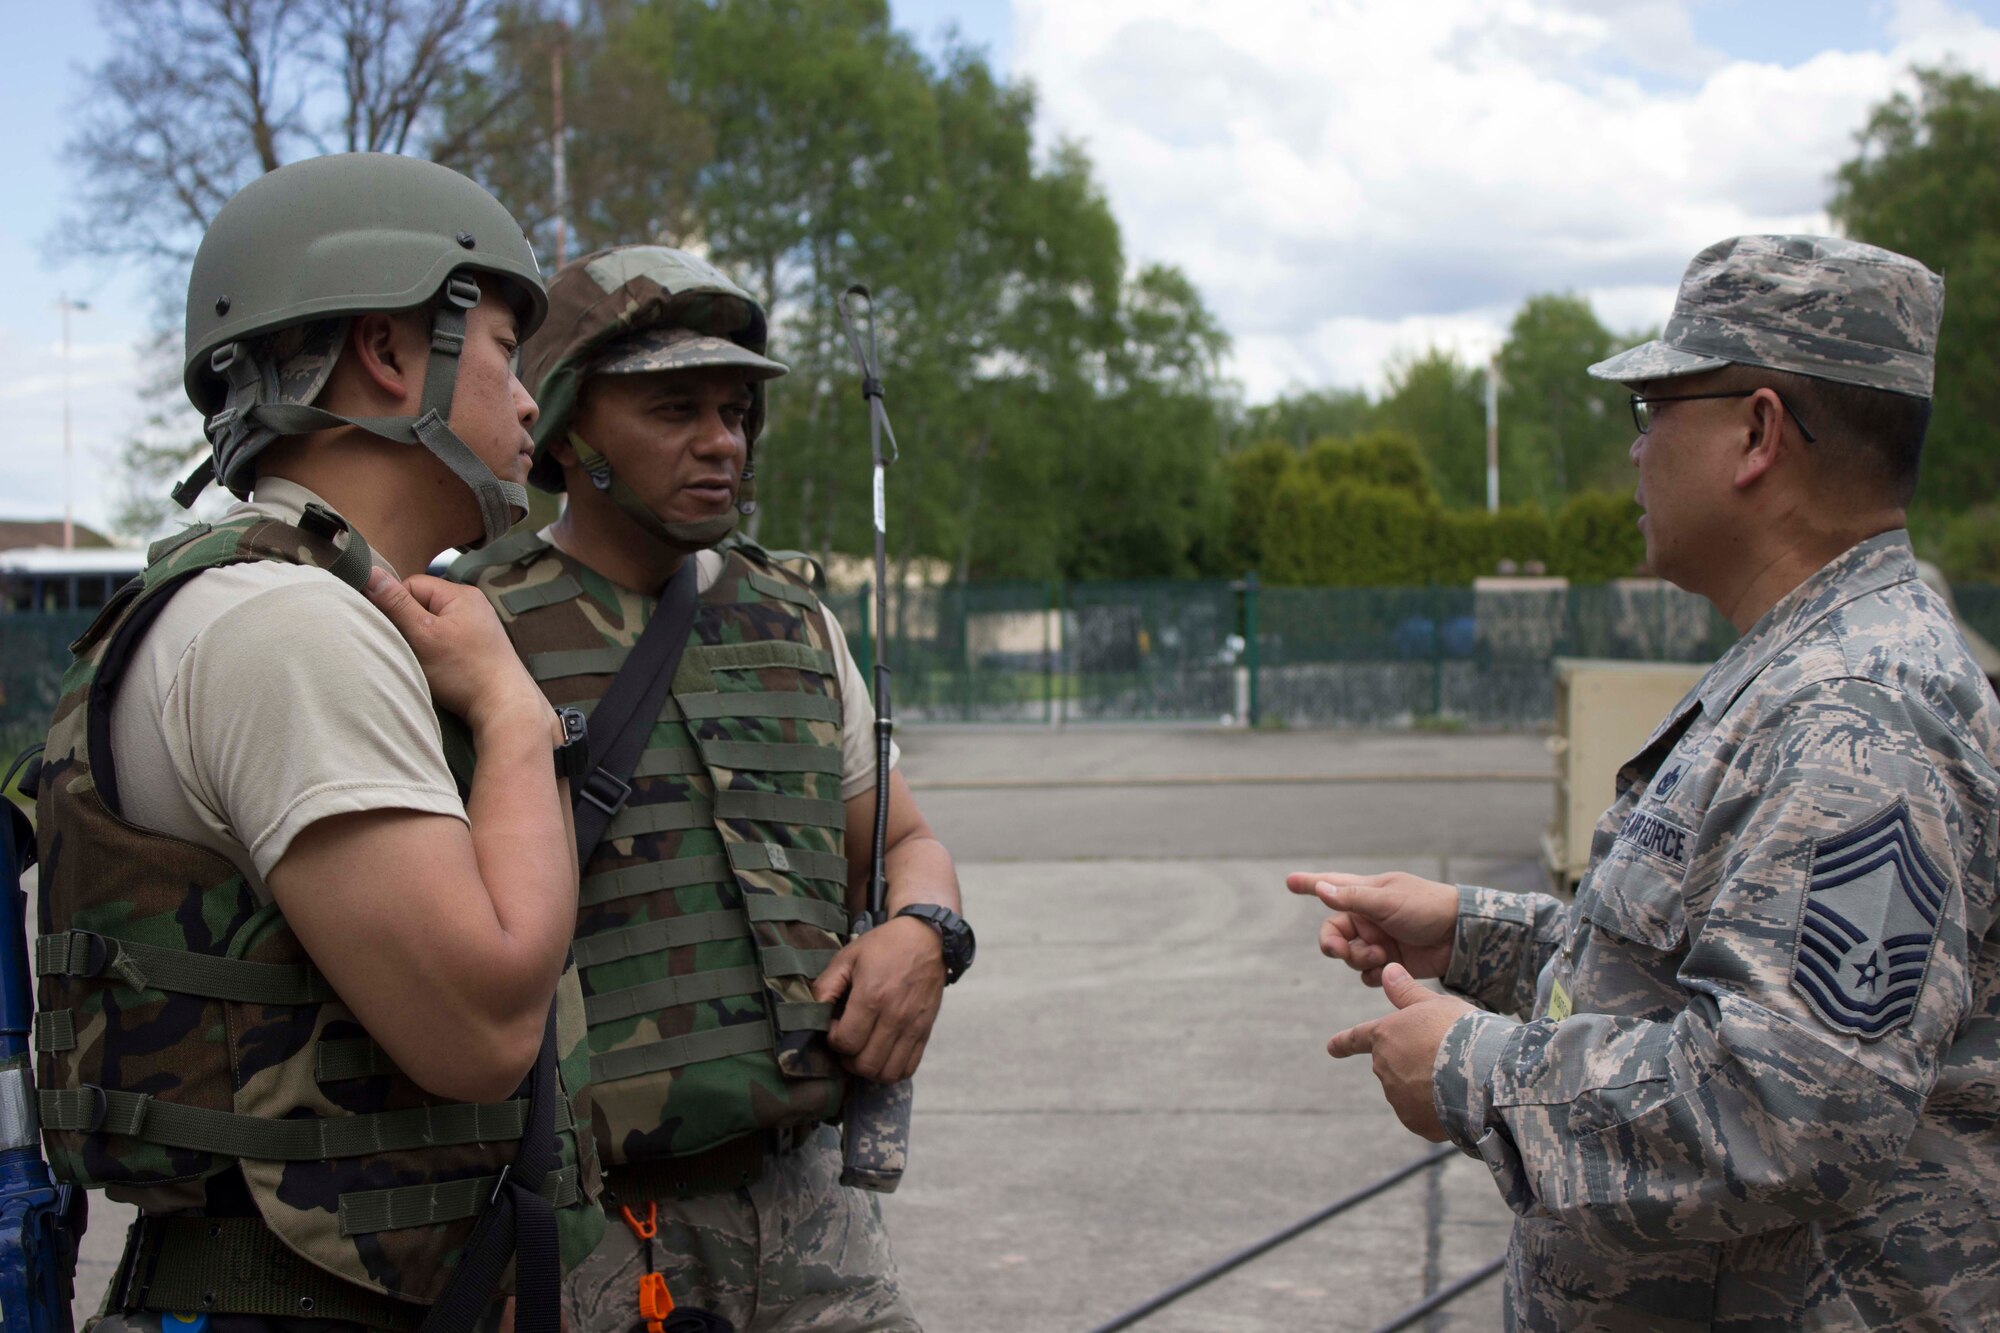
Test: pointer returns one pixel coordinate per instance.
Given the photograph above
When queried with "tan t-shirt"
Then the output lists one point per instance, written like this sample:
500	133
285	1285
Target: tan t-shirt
857	723
267	697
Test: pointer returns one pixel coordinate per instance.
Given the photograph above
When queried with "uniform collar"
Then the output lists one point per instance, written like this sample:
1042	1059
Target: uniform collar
1881	561
285	500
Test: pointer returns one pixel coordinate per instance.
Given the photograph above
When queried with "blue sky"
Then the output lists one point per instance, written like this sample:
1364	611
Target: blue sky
1314	170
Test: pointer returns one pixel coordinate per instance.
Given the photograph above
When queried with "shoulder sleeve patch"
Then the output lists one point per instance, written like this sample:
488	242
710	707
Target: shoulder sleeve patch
1871	909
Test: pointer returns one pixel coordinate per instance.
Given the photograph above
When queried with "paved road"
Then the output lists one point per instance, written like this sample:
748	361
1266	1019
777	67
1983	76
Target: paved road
1132	1082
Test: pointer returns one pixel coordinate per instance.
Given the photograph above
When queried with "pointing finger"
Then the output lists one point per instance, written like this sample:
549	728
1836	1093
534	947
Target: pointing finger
1357	1040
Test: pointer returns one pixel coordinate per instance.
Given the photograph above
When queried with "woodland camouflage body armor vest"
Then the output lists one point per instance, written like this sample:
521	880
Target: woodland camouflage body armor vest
718	892
182	1030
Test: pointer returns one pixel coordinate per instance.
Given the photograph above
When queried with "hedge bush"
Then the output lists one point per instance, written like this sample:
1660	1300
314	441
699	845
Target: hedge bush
1597	538
1968	547
1320	533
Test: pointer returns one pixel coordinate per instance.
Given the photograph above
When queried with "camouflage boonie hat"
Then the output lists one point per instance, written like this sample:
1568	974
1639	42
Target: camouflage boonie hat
1810	305
671	348
610	300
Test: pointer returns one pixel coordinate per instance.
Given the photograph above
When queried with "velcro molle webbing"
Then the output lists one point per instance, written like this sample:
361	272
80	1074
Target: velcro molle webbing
711	657
660	817
804	1016
668	761
363	1212
94	1110
674	1052
536	596
357	1057
830	917
783	960
774	808
576	662
788	860
727	983
783	591
82	953
760	704
55	1030
238	1266
659	875
652	936
772	756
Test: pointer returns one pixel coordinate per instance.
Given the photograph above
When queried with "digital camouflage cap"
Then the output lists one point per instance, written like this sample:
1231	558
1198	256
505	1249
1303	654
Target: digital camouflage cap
1822	306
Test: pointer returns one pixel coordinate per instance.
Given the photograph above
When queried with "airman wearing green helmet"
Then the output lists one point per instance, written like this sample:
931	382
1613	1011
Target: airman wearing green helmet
304	997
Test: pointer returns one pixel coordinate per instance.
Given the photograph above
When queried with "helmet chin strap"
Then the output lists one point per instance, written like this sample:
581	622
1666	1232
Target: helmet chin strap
249	420
681	538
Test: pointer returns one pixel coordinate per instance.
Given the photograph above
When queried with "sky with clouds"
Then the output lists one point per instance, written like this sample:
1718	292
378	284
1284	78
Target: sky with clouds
1343	179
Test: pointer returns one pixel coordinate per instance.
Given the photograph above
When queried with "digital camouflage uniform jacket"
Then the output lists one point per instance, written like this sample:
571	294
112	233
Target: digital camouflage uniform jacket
1759	1087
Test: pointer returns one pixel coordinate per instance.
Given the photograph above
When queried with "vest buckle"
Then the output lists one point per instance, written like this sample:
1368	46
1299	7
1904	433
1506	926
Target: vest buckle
606	791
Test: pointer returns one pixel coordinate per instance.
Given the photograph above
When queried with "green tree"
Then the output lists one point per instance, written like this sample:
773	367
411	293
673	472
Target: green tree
1302	417
1926	182
1250	478
198	98
1440	402
1346	534
1560	430
1055	412
1597	538
1385	458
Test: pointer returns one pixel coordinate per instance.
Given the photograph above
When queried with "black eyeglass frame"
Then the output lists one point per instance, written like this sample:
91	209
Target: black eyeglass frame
1641	401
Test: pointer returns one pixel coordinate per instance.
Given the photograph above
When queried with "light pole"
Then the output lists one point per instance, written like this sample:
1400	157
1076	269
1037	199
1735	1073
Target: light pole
64	304
1493	433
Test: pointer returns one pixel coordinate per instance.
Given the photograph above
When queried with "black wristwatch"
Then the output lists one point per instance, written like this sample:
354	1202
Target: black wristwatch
953	930
573	755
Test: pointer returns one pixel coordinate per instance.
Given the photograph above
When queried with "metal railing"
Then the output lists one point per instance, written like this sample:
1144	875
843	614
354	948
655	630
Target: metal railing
1433	1160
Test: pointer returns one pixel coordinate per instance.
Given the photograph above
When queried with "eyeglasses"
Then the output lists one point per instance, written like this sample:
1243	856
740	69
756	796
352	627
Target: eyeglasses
1642	407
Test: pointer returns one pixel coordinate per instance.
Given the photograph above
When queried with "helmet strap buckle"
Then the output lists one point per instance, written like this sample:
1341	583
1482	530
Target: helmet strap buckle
462	291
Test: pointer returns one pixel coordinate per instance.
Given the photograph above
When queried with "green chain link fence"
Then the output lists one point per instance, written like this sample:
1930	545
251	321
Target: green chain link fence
1238	652
34	652
1060	653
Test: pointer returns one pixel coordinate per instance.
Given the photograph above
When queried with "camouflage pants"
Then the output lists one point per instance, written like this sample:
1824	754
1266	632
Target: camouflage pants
795	1252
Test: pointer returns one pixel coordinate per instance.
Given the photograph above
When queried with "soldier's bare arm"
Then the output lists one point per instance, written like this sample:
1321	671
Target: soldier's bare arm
447	939
894	976
1774	1095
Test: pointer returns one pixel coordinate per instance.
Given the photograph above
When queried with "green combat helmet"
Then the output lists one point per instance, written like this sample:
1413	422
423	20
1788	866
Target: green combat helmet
627	311
302	249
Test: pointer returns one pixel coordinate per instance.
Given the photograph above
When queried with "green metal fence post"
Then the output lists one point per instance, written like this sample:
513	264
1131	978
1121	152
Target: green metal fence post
1251	653
1051	600
964	601
1437	650
1062	629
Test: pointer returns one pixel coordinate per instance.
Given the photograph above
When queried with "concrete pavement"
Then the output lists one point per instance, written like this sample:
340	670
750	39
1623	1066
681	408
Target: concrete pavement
1132	1082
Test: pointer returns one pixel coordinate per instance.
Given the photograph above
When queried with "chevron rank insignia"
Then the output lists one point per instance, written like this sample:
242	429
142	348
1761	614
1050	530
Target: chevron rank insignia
1872	904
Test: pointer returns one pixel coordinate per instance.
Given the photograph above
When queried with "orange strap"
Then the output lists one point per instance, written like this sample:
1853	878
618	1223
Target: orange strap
643	1230
655	1302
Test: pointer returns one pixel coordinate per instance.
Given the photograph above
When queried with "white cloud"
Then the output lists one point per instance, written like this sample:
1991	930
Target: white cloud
1345	178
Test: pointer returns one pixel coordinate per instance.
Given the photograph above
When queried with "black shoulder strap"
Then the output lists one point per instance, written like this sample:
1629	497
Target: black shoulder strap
623	719
519	1224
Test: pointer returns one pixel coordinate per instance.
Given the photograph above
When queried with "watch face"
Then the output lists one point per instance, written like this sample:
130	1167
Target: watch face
953	932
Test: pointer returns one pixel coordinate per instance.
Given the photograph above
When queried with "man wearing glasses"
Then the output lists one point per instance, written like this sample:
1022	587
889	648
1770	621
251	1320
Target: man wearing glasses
1755	1080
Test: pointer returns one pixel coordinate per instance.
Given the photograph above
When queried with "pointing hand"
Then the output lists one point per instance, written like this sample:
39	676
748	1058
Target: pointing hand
1383	919
1404	1047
